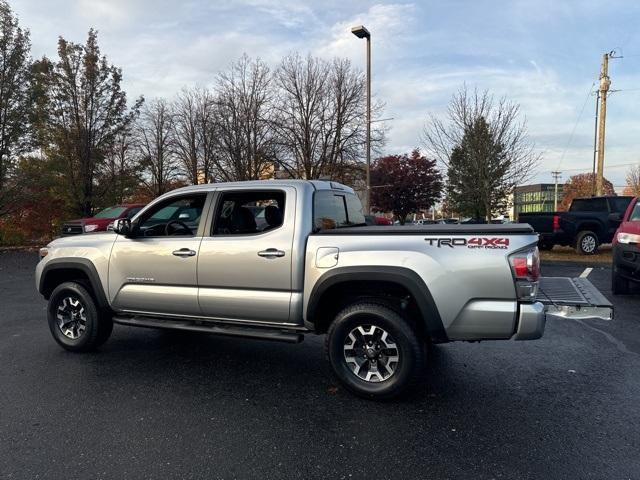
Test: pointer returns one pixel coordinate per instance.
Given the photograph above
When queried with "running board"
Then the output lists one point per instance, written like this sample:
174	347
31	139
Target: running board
208	327
575	298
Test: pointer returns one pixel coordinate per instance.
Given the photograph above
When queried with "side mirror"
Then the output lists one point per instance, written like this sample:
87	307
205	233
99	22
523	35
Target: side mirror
122	226
615	217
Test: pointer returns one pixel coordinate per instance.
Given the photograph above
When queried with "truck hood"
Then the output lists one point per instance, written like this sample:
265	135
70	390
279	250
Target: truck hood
103	222
88	239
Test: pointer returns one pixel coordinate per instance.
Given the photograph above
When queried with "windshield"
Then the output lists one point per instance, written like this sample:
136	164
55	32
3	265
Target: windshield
635	213
110	212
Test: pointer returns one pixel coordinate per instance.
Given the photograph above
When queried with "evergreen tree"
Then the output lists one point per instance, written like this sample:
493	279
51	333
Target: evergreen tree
86	111
476	172
15	81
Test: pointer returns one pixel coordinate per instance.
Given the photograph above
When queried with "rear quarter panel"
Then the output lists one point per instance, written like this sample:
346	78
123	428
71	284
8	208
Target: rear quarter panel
461	280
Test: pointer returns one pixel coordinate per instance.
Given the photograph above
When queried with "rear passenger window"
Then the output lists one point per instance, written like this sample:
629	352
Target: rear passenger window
619	205
246	213
336	209
589	205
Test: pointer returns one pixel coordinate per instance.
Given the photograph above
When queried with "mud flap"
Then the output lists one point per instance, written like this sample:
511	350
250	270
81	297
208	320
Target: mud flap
573	298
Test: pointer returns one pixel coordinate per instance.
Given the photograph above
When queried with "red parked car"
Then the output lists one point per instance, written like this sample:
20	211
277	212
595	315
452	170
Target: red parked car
626	250
100	221
377	220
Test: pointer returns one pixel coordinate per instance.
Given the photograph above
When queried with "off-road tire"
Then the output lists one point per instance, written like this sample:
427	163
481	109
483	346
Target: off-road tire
409	370
97	324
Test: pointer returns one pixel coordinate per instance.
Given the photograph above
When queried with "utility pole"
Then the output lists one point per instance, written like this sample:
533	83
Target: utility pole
555	175
605	83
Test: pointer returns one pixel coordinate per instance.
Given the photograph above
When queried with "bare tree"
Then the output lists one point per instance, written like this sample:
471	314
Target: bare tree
15	64
244	146
118	176
321	117
205	102
186	133
633	180
155	145
484	146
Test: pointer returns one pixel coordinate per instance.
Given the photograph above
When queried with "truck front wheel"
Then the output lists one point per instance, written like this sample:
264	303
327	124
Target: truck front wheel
374	352
75	321
587	243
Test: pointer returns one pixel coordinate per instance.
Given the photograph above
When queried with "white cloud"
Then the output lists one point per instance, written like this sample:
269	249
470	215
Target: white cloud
543	55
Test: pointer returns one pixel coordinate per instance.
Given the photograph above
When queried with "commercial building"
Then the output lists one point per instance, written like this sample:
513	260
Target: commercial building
536	198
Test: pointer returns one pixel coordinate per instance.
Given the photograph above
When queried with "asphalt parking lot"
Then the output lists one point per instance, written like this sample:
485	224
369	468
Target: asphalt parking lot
152	404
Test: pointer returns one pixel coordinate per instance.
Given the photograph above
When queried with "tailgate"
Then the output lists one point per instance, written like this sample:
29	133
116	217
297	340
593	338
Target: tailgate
573	298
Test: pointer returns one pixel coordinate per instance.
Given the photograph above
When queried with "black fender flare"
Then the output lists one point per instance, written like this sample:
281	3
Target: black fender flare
594	226
403	276
81	264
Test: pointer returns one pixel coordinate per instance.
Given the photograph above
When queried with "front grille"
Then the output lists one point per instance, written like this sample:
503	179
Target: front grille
71	229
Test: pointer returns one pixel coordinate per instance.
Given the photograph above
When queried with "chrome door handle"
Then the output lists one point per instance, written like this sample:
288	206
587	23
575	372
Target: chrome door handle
271	253
184	252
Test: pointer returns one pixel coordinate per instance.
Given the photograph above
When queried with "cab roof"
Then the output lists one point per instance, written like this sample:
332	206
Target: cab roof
316	184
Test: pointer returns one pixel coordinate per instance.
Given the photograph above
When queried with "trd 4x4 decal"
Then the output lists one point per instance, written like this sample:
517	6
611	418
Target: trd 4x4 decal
475	242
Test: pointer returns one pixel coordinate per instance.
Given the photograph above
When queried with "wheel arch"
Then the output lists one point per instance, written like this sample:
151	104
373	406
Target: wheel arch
322	300
591	226
57	271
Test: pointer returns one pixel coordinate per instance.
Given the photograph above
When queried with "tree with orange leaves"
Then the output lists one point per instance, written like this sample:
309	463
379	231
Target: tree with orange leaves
581	185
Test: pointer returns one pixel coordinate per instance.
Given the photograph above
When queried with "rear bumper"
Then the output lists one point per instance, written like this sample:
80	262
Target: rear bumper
531	321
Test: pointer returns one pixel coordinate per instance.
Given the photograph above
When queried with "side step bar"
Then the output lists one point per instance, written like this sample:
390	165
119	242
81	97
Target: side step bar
210	327
575	298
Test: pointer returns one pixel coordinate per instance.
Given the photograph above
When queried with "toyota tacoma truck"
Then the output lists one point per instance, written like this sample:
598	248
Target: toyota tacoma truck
196	259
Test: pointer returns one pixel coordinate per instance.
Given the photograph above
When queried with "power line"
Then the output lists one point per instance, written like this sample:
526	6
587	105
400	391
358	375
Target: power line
608	167
575	125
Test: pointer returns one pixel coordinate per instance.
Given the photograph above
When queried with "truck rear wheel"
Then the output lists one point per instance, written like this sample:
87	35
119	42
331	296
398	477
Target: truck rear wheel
74	319
374	352
587	243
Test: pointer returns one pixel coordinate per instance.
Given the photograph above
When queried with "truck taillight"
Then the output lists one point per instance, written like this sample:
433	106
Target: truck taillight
556	222
525	266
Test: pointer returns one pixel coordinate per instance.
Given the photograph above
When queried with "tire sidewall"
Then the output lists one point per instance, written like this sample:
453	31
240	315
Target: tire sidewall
88	339
400	331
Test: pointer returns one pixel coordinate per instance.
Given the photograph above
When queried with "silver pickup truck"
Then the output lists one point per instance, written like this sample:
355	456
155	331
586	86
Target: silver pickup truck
280	259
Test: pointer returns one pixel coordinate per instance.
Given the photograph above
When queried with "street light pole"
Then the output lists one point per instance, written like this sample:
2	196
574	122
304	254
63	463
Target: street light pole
362	32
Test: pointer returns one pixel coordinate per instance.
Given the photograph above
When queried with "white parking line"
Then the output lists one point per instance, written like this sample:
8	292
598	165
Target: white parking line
586	272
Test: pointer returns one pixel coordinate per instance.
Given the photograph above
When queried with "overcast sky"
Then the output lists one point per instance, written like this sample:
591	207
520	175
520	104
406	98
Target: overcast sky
543	54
